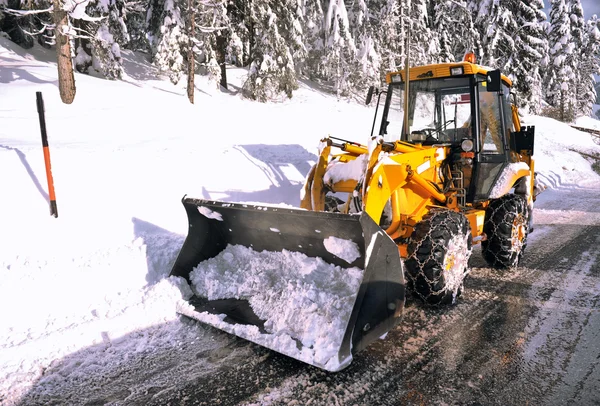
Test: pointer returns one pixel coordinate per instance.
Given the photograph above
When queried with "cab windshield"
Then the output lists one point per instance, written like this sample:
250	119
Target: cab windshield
439	111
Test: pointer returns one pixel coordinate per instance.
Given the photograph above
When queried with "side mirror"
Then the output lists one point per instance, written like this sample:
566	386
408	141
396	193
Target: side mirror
493	81
370	94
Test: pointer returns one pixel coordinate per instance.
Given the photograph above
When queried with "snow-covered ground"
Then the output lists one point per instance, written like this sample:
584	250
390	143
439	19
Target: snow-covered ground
123	155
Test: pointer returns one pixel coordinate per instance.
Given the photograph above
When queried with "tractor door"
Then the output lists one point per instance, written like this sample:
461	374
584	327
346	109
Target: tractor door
491	144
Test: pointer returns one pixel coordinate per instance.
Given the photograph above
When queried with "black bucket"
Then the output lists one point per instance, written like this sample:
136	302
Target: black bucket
314	286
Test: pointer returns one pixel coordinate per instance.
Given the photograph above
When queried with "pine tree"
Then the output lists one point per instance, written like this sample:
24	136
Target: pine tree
424	45
135	23
387	20
314	32
340	49
367	60
111	35
167	37
530	50
559	38
442	12
210	40
575	51
291	28
495	20
589	66
272	70
454	26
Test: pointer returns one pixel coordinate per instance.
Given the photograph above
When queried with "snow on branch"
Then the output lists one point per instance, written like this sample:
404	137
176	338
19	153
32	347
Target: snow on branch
40	31
22	13
76	9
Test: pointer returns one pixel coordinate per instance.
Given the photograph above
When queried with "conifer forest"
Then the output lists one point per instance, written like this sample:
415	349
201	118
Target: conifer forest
344	46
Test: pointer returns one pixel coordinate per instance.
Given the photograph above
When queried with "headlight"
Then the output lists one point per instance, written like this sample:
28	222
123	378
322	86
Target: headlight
418	136
397	78
467	145
457	71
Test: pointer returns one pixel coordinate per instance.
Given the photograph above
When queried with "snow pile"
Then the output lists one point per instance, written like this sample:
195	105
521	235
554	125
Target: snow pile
588	122
557	154
301	299
338	171
208	213
345	249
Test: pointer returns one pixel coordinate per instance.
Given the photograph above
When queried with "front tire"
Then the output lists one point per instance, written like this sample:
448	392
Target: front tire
506	227
438	255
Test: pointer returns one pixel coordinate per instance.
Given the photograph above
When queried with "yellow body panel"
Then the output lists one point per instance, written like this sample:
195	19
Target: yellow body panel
521	173
442	70
419	169
476	219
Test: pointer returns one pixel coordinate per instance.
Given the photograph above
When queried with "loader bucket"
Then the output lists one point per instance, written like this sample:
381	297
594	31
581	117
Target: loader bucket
315	286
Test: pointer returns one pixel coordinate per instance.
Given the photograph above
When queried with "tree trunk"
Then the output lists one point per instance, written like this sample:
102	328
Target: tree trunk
221	45
190	56
562	106
66	78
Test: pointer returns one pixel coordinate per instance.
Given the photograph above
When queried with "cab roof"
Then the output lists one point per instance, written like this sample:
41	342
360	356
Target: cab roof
442	70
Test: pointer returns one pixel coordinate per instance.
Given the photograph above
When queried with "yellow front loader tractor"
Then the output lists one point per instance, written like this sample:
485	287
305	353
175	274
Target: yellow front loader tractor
448	166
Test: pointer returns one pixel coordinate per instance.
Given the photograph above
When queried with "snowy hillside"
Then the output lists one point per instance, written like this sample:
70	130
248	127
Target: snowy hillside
93	281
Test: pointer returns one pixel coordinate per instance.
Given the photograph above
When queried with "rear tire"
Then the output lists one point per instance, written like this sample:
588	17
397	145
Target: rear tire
438	255
506	228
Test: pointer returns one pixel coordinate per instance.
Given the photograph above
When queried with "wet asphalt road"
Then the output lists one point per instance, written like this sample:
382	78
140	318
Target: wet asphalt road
530	336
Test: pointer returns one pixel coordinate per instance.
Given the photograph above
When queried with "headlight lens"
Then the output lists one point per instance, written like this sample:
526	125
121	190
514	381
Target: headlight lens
397	78
467	145
456	71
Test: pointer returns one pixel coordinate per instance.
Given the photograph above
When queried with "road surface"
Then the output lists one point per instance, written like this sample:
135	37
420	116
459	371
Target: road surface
526	336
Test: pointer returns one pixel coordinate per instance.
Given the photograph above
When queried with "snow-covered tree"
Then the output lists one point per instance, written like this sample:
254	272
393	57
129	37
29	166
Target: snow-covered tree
530	53
211	35
424	46
453	24
367	60
313	30
575	49
272	70
387	15
167	37
589	66
135	22
496	23
101	34
340	49
559	40
291	21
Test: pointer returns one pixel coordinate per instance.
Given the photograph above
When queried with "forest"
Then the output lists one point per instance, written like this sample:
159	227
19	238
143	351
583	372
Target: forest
345	46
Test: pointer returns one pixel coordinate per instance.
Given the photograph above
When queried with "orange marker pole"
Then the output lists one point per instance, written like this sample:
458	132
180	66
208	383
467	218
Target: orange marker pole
40	109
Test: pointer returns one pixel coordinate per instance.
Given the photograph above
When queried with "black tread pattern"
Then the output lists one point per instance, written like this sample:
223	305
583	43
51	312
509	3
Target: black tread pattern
499	248
427	252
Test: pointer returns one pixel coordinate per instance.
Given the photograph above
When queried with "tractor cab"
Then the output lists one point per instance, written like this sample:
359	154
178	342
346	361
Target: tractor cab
463	106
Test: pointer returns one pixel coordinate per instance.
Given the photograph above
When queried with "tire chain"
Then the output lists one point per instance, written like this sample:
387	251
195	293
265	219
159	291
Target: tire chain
502	249
443	235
